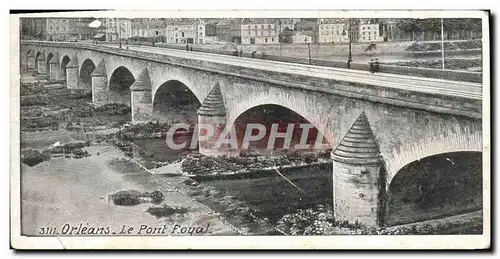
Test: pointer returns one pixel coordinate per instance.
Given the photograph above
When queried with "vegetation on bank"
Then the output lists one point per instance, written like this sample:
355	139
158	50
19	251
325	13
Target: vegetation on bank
458	64
133	197
198	164
432	46
40	123
32	157
150	130
320	221
75	149
48	107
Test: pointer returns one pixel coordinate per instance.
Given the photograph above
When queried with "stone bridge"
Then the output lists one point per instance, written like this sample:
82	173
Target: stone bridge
376	124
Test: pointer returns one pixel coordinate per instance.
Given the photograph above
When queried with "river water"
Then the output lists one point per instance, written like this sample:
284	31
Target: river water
266	192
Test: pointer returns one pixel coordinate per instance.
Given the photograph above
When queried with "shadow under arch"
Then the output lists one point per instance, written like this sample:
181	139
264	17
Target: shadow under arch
281	116
86	70
174	101
49	57
119	86
436	186
64	62
38	55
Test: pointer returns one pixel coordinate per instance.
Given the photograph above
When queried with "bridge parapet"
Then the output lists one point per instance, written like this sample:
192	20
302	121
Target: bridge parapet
405	91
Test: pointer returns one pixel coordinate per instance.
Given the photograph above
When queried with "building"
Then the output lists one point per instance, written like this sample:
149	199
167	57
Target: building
185	31
211	29
366	31
117	28
34	28
69	29
286	24
305	24
149	28
58	29
303	37
331	31
258	31
79	29
223	30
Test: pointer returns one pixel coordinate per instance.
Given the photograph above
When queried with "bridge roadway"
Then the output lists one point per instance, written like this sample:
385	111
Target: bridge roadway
412	83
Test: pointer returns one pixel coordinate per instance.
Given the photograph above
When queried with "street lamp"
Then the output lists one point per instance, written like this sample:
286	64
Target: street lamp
309	47
119	33
442	43
349	58
280	36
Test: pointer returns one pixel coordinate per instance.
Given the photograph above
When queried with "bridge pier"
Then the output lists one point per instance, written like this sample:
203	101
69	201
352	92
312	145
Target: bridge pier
100	85
72	73
141	98
212	113
31	60
54	68
41	65
358	177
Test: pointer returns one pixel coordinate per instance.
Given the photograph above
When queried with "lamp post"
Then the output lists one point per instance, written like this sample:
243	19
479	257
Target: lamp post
280	37
309	48
349	34
119	33
442	43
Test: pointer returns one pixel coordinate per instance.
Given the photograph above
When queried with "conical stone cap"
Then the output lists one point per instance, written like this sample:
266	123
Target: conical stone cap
358	146
142	83
73	62
100	70
54	59
213	105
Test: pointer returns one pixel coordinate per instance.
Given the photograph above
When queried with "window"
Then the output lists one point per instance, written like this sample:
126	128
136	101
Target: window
175	28
272	39
156	32
269	26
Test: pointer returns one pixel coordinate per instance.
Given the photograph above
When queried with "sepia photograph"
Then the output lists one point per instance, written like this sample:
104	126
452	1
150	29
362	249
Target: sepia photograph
217	126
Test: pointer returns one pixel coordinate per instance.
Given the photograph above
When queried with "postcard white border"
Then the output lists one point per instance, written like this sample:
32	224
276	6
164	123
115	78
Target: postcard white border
249	242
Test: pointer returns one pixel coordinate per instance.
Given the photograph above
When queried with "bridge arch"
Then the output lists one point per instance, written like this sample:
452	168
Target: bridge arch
86	70
174	95
454	141
119	85
296	105
435	186
64	62
281	116
49	57
39	54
